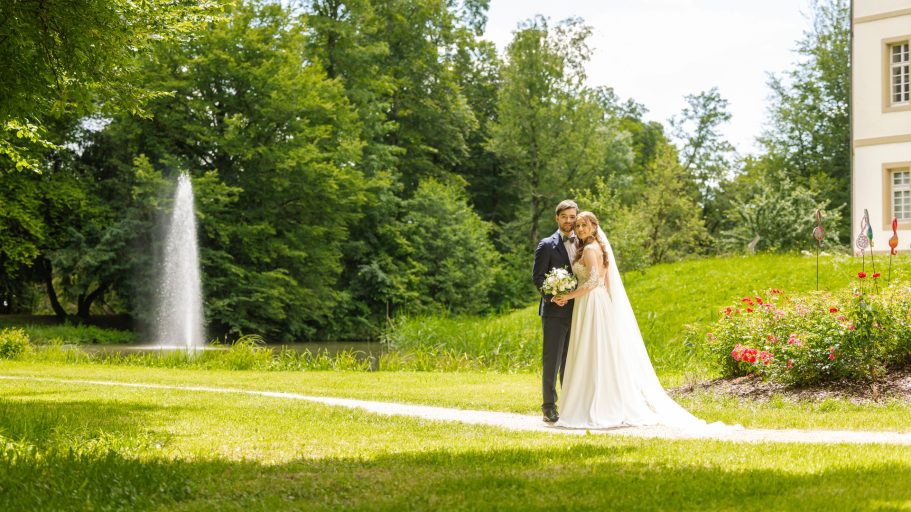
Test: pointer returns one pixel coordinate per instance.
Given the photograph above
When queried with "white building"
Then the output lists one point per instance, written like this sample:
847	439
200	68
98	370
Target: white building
881	119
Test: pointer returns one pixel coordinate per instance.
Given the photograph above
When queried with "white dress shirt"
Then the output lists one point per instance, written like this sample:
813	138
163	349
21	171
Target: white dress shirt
570	245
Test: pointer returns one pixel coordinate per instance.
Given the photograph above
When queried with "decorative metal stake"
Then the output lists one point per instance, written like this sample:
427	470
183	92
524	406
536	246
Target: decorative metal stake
862	242
893	245
872	253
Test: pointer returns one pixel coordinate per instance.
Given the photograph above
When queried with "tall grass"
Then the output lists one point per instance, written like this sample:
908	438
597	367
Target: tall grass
77	334
509	342
674	304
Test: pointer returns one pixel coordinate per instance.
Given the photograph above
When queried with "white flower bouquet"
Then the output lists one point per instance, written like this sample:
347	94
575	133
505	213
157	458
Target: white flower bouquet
558	281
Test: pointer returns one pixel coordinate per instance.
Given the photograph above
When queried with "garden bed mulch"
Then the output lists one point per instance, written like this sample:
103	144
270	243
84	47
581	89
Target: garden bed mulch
896	385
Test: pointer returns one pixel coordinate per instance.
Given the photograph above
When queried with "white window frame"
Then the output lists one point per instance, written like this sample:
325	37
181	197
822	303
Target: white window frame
901	187
889	188
900	73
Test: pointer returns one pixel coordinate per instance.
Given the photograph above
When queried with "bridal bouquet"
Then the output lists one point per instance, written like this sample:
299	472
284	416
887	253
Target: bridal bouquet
558	282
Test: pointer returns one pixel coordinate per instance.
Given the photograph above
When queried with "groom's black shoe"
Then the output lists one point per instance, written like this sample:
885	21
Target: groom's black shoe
550	414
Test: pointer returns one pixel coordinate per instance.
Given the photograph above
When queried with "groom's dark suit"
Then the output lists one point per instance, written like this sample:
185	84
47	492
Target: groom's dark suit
555	320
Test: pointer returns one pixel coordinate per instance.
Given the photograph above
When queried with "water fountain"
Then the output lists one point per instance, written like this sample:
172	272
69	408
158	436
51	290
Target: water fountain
179	318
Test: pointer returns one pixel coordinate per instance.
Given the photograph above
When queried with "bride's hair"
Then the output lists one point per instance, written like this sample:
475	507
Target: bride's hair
580	244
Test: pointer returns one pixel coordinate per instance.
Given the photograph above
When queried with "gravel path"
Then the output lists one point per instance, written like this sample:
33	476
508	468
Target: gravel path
527	423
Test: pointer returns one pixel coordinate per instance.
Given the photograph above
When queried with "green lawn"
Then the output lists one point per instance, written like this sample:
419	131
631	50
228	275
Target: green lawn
485	391
71	446
83	447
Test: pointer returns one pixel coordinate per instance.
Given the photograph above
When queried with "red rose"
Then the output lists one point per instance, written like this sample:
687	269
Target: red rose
875	275
831	356
861	275
833	310
749	310
790	363
758	301
776	290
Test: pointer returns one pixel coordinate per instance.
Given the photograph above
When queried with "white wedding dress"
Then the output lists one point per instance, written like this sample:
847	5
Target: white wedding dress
609	380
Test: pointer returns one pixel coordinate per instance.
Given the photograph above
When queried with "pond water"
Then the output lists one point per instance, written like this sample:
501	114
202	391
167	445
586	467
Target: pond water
362	349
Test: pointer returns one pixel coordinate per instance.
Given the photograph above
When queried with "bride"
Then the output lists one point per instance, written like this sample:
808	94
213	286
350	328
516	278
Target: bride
609	379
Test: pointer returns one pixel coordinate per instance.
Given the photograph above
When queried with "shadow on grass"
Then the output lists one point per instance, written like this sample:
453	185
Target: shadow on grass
44	469
580	478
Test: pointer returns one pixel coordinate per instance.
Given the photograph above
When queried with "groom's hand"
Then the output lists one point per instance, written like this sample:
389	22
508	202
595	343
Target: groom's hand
560	301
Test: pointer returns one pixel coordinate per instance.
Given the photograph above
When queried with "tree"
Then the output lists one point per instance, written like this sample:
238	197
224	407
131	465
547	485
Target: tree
551	132
451	262
705	154
808	137
777	211
664	224
58	57
273	146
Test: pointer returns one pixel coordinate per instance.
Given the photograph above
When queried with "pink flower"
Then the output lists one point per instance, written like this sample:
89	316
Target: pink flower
709	336
790	363
851	327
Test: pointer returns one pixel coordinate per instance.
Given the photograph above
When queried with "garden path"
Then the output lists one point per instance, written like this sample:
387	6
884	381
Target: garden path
526	423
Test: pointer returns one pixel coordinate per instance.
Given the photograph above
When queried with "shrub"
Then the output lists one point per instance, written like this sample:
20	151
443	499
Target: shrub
816	337
79	334
14	343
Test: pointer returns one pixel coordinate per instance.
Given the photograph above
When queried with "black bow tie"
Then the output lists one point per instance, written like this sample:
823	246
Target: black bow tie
568	238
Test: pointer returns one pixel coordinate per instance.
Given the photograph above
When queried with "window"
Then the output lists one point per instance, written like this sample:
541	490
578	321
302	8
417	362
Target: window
899	81
901	194
896	195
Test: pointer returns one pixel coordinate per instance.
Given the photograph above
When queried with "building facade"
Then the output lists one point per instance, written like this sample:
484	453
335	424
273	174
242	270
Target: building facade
881	119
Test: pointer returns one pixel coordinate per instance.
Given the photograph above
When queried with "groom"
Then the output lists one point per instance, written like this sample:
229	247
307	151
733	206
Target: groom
555	251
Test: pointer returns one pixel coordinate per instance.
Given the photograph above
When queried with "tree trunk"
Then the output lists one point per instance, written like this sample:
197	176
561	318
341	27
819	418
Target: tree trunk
85	302
51	292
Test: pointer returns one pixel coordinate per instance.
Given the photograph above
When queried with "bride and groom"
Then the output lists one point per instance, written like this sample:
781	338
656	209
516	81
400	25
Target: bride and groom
591	337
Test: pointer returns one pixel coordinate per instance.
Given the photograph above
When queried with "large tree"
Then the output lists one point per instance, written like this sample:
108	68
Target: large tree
808	134
59	56
704	152
274	146
551	132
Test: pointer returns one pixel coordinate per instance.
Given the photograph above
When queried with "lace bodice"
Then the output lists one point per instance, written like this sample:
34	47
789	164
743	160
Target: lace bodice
588	280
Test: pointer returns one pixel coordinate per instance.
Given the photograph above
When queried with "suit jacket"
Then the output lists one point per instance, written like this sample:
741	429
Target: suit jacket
550	254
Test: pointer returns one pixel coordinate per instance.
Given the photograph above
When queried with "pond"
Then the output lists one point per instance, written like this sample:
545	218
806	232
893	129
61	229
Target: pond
362	349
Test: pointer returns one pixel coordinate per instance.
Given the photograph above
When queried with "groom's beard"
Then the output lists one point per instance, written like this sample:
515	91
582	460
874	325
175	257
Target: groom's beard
567	229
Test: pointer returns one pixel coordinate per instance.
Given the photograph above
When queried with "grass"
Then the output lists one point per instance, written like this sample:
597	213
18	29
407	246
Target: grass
80	447
518	393
673	302
72	446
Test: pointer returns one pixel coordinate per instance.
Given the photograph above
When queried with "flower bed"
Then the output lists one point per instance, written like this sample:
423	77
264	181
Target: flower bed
816	337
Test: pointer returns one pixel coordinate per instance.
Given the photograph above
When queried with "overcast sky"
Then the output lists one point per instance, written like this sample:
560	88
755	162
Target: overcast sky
658	51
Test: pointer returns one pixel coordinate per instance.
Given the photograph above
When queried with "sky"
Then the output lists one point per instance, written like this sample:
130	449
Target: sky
658	51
